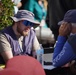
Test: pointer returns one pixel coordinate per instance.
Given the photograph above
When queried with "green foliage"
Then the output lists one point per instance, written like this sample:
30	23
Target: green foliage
6	10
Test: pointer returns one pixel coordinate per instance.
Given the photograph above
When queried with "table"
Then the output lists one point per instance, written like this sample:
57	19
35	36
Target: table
51	70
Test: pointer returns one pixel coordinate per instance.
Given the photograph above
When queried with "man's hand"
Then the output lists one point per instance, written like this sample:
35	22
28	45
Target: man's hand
65	29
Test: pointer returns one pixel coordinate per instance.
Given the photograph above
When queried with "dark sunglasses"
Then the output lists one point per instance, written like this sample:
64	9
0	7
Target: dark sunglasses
27	23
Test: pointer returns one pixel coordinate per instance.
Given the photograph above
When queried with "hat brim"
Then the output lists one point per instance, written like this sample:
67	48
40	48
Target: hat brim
60	22
36	23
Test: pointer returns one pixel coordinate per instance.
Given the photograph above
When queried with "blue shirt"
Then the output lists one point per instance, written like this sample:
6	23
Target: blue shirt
63	52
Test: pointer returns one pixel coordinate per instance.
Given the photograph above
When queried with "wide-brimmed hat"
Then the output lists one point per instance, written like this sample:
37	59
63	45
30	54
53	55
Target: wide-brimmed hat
70	17
25	15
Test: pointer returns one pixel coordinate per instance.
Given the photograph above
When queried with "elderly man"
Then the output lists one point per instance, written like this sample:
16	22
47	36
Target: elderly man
20	38
65	47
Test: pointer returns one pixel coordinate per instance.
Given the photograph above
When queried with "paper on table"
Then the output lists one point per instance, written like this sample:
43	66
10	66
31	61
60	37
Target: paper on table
49	67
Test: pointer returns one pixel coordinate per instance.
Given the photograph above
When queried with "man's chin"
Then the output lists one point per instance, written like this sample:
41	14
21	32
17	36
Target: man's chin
25	35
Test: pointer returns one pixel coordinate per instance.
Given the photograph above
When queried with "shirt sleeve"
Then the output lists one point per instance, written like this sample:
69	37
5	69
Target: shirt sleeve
59	45
4	44
63	52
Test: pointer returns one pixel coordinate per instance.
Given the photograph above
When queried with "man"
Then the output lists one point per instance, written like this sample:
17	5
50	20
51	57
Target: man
20	38
56	10
65	47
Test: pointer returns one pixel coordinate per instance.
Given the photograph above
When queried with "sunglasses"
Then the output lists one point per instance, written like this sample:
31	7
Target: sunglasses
27	23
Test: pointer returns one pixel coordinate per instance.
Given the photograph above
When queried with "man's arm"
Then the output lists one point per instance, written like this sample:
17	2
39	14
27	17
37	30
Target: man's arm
36	45
5	48
7	55
63	49
62	55
59	45
37	48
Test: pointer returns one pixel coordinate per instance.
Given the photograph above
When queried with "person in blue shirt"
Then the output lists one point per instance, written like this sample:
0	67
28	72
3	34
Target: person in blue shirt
65	47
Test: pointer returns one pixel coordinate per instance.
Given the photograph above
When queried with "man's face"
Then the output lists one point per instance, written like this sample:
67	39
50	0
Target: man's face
22	29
